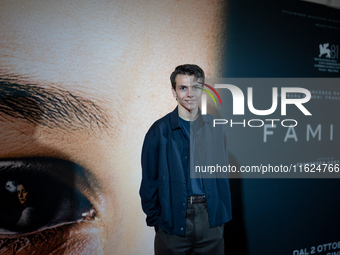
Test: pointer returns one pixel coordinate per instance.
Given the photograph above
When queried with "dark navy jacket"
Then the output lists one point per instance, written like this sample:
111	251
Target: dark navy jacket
165	156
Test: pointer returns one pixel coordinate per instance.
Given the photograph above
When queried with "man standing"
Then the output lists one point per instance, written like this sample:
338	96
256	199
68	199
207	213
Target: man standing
188	213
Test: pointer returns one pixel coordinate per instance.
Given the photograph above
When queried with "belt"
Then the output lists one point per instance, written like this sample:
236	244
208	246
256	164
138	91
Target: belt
196	199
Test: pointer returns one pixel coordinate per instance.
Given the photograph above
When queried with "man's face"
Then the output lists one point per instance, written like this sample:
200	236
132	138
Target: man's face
81	84
187	93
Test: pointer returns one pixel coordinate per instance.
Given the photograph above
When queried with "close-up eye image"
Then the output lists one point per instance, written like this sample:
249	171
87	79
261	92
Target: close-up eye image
45	198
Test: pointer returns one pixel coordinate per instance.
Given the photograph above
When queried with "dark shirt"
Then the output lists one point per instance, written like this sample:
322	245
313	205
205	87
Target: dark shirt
164	180
194	185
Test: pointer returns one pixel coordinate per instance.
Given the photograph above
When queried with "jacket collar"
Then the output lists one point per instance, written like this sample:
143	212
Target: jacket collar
174	119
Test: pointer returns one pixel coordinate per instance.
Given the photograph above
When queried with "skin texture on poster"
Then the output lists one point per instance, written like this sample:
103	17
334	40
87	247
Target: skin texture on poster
81	82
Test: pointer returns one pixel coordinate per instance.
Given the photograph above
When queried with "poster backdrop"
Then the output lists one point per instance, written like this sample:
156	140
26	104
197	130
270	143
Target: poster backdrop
82	81
291	39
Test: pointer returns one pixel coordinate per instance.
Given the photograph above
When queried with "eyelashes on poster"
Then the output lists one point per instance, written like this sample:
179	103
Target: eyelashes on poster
44	204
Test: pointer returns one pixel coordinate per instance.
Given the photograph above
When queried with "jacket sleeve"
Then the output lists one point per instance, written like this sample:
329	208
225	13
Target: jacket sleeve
149	186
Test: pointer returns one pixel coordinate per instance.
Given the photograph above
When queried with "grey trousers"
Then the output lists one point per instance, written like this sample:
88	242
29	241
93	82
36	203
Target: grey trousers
199	237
